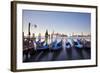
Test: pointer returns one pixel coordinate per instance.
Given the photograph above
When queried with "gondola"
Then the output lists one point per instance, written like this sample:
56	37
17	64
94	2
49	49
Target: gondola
77	44
67	45
86	44
42	46
56	46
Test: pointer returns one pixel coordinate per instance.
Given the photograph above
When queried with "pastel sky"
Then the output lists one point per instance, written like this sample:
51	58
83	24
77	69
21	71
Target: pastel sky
61	22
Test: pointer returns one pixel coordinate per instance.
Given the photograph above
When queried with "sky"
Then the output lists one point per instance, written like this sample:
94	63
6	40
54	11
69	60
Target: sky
61	22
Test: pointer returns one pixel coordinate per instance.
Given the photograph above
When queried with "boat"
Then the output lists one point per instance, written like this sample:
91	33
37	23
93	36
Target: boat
67	45
86	44
56	46
42	46
77	44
